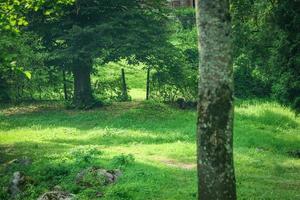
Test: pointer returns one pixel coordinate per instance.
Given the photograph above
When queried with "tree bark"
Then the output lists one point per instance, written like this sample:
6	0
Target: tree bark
83	97
148	84
216	177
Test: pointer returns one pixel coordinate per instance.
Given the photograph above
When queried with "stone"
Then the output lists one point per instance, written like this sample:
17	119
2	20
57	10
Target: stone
94	176
57	195
99	194
259	149
17	183
183	104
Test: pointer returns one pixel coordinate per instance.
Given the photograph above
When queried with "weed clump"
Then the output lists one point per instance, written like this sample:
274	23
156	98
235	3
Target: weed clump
122	161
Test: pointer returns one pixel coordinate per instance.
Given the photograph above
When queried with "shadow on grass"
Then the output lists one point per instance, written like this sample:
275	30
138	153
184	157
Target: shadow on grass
268	130
143	116
116	140
162	125
269	118
139	180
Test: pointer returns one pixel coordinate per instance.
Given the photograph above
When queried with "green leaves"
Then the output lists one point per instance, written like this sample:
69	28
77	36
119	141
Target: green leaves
12	13
27	74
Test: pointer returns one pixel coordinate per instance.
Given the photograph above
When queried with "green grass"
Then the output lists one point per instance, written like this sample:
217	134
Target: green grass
162	142
135	77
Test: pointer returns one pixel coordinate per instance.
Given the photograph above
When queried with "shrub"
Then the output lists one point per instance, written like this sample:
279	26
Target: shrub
248	81
122	161
84	155
110	89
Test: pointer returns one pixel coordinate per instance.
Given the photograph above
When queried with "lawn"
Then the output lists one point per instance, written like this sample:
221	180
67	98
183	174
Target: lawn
154	146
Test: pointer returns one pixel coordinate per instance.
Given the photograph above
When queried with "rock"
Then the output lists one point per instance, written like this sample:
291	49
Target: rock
99	194
183	104
258	149
57	195
94	176
17	183
117	174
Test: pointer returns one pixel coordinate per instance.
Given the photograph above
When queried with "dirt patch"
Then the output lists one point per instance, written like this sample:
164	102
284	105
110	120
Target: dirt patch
31	108
174	163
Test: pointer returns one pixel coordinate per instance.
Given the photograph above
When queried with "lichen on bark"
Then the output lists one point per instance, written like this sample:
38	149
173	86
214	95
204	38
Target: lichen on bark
215	106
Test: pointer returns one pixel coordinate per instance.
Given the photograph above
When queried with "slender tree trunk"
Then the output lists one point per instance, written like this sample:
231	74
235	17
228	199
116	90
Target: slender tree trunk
215	107
83	97
65	84
124	86
148	84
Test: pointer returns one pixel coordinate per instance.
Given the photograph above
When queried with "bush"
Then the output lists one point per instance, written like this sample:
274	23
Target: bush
84	155
177	76
173	83
247	85
186	16
110	89
122	161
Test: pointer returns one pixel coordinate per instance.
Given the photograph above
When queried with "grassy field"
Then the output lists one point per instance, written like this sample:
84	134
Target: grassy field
153	144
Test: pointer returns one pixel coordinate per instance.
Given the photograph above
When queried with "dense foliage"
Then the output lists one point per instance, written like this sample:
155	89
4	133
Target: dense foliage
178	78
22	57
267	39
265	49
49	49
106	30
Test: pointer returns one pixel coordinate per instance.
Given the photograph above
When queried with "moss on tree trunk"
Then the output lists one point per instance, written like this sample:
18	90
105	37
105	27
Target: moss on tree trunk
215	108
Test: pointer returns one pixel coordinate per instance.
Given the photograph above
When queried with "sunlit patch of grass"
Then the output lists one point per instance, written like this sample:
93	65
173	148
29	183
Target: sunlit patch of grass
135	76
161	140
137	94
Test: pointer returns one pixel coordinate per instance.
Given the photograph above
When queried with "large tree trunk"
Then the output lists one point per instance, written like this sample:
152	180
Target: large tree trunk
215	107
83	97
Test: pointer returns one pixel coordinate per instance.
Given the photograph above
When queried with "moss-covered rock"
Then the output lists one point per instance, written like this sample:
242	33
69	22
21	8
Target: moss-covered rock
96	177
